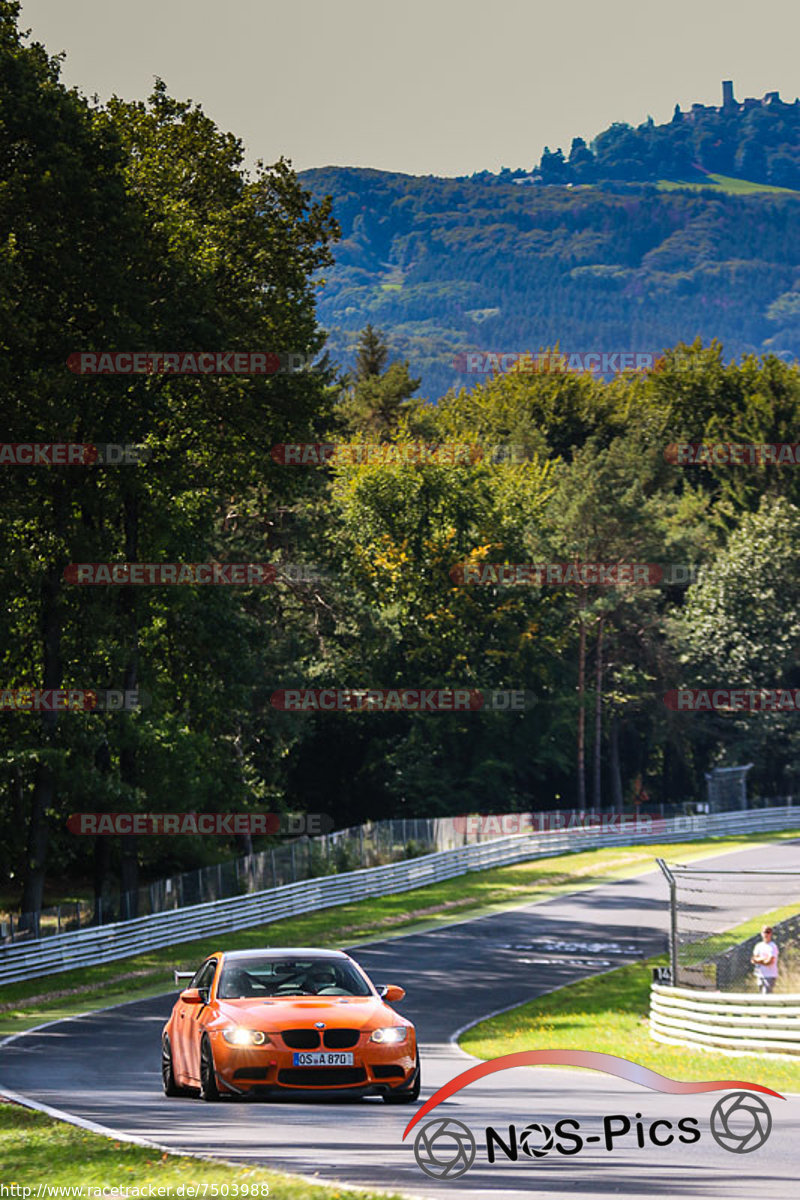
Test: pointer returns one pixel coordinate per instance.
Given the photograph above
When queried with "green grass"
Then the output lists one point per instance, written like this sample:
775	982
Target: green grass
23	1005
724	183
609	1013
36	1149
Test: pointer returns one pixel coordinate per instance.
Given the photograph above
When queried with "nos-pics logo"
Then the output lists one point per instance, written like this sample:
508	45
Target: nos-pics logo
445	1149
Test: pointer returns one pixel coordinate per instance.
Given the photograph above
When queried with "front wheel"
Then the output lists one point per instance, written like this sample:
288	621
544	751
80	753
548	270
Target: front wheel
407	1096
208	1076
171	1088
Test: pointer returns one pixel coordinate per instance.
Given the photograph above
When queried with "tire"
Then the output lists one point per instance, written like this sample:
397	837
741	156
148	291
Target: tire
409	1095
208	1078
171	1088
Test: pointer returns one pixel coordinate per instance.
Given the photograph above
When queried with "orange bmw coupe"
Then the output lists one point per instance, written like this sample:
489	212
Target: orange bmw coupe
277	1022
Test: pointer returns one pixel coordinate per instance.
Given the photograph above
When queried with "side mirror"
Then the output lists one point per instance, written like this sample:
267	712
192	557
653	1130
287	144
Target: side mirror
192	996
391	993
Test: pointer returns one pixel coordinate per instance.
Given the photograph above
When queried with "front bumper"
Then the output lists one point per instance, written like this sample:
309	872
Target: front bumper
376	1070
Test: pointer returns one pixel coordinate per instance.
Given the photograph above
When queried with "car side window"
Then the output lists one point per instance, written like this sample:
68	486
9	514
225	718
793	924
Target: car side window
205	976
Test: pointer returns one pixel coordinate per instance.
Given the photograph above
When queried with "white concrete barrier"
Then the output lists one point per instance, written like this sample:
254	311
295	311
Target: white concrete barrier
731	1021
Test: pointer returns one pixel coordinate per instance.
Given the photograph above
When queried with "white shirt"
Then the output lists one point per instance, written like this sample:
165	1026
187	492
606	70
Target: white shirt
768	953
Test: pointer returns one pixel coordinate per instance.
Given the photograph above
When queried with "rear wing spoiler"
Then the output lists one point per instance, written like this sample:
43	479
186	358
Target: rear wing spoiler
182	977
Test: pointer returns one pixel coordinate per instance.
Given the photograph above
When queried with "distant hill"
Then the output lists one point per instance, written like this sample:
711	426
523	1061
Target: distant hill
757	140
505	262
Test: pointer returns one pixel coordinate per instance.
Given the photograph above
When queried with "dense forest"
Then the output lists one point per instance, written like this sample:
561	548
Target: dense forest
150	234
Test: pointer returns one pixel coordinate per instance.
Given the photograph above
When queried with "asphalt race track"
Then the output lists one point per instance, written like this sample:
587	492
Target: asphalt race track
106	1068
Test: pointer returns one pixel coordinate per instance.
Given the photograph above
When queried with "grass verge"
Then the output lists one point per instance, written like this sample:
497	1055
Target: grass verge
49	998
36	1149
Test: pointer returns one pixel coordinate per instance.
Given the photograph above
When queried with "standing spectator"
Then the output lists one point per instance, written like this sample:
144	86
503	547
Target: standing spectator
765	959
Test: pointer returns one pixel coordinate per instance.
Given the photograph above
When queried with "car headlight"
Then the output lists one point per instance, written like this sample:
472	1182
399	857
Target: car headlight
236	1035
390	1036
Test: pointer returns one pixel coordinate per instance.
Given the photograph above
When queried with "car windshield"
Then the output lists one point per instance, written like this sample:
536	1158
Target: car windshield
290	977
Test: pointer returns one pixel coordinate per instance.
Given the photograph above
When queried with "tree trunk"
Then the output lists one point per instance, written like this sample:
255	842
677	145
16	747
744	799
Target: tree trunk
598	717
129	859
43	797
102	845
616	770
582	712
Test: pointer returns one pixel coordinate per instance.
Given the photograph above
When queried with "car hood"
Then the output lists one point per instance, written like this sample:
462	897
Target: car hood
338	1012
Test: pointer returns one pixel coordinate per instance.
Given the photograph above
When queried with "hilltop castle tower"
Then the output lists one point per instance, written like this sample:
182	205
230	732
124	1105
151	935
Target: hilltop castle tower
728	101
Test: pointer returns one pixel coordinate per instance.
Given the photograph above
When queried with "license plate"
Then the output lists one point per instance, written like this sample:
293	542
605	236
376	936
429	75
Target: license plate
323	1058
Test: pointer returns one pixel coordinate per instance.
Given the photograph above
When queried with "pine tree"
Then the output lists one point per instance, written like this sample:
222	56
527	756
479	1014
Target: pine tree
372	354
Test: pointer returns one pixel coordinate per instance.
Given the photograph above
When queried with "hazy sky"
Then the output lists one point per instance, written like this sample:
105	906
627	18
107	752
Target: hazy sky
441	87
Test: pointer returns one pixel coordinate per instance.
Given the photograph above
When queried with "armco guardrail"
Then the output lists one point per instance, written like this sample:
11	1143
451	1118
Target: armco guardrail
106	943
744	1021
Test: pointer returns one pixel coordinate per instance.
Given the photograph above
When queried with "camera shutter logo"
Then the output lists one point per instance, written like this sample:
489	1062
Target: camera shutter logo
444	1149
740	1122
536	1140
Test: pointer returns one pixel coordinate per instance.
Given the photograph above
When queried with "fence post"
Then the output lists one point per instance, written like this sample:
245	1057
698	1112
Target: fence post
294	866
673	921
274	876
